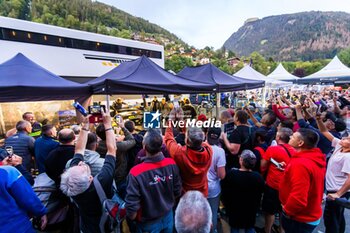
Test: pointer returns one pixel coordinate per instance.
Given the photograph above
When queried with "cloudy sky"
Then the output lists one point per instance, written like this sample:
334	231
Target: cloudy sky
211	22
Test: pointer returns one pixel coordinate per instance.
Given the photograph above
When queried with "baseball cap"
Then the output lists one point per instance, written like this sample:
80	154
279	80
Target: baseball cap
202	117
339	123
214	135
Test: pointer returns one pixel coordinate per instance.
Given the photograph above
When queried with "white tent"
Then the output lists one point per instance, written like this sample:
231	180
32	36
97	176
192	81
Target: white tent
280	73
248	72
335	71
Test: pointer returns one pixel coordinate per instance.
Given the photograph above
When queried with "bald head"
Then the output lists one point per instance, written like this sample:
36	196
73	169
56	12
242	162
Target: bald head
66	137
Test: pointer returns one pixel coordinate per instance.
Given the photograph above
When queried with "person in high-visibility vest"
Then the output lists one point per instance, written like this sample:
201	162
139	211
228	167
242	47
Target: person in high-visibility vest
36	126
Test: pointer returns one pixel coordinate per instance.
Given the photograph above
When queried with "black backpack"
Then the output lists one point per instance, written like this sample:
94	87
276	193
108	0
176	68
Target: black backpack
113	210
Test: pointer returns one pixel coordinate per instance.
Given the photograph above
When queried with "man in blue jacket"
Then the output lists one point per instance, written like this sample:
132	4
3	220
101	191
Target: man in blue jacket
17	202
22	143
44	145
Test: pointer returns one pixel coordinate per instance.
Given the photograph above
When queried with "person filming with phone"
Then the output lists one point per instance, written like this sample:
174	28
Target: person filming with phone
14	160
337	180
18	201
77	181
124	144
22	143
194	158
273	162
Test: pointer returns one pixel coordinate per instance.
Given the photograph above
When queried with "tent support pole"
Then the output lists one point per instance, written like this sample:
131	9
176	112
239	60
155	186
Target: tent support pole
2	122
108	105
264	97
218	97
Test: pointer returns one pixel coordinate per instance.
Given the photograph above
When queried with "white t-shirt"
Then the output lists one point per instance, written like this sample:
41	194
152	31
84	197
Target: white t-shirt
218	160
338	168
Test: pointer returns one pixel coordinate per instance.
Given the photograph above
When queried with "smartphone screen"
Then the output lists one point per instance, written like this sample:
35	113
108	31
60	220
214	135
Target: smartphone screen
9	150
229	127
118	119
96	109
176	103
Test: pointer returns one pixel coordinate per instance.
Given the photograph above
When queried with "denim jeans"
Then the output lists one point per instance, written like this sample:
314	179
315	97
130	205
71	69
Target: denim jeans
121	188
214	206
292	226
164	225
247	230
333	216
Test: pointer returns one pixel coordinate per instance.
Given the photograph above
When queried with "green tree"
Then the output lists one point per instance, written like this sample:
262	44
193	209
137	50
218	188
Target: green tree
222	65
344	56
177	63
125	34
259	63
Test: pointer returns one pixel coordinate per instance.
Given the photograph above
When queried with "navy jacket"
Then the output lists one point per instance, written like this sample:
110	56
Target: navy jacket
23	145
42	147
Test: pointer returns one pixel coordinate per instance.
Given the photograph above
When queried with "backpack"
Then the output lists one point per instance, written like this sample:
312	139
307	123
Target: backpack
113	210
56	203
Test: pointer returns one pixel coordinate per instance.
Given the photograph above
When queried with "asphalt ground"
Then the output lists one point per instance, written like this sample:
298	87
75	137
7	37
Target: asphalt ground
223	226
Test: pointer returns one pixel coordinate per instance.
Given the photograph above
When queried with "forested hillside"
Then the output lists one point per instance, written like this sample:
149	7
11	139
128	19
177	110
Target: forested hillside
84	15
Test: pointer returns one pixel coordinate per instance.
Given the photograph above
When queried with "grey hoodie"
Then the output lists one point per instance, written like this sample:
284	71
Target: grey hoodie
93	159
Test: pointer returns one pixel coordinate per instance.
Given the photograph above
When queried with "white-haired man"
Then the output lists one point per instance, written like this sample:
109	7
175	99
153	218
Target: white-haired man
77	183
193	214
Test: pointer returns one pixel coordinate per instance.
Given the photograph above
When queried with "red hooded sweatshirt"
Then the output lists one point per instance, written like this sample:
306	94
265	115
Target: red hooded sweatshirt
301	187
194	165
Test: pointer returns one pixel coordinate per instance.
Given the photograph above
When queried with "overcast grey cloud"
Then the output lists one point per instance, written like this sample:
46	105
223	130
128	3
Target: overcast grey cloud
209	23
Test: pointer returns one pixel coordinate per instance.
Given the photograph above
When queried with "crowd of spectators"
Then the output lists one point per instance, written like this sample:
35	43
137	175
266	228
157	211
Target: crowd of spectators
282	160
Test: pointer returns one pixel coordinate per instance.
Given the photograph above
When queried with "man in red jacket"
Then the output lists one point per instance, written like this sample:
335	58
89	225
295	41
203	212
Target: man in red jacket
193	159
301	188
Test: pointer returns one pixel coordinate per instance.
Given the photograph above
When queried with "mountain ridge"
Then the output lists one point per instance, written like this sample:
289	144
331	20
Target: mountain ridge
298	36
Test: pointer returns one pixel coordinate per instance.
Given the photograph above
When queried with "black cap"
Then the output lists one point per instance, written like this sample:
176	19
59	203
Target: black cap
214	135
339	123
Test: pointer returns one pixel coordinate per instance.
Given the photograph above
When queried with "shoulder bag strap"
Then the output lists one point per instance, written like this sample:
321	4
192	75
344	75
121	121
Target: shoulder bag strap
100	192
286	150
102	196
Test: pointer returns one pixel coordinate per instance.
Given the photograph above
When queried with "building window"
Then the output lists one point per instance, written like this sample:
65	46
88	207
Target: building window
38	38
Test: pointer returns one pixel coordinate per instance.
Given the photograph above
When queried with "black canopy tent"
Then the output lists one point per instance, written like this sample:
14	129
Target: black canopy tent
223	82
143	76
23	80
